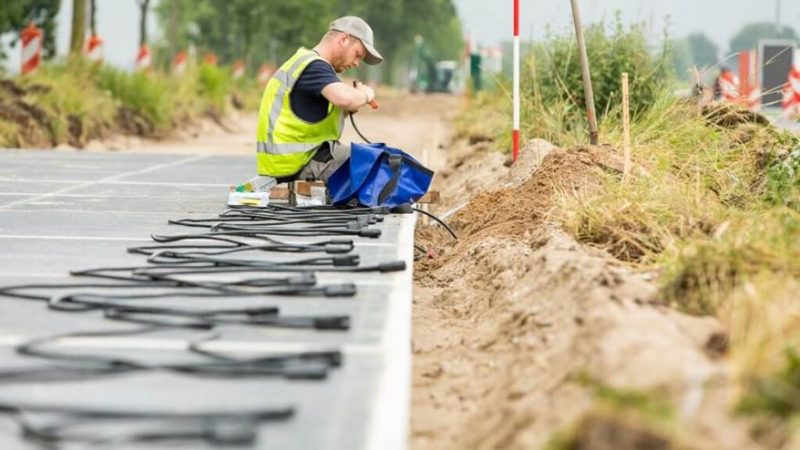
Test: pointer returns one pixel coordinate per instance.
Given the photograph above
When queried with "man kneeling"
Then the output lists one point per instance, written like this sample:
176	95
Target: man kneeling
305	104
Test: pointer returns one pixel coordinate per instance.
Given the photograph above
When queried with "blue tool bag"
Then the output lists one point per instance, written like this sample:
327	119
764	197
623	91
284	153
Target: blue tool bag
377	175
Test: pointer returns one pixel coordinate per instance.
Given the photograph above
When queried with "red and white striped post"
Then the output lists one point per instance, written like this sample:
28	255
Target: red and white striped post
238	69
265	73
179	63
730	87
144	59
210	59
515	132
31	48
748	73
791	94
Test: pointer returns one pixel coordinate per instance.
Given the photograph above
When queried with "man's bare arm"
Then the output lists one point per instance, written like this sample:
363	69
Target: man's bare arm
348	97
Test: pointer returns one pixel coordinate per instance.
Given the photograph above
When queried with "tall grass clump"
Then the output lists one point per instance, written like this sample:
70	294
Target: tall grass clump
712	207
553	92
553	105
75	100
67	103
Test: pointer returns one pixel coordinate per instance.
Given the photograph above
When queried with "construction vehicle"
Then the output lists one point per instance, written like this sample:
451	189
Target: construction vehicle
429	75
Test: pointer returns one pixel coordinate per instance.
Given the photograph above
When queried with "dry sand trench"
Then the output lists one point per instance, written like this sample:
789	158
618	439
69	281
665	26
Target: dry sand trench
506	317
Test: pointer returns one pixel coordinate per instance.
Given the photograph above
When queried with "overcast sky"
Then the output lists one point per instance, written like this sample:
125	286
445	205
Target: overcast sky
490	21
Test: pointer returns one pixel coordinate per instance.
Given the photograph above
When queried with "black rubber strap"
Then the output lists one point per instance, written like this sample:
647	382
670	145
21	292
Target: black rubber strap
395	161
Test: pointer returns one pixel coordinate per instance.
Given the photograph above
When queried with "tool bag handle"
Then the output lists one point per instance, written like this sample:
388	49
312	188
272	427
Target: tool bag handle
395	161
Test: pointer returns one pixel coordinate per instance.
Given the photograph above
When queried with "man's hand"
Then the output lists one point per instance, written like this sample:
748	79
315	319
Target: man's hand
368	91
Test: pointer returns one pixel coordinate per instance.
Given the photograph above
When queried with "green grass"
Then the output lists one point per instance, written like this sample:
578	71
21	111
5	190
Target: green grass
64	91
712	207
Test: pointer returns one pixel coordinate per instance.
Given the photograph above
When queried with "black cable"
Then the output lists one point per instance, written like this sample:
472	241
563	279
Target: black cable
182	267
438	220
290	366
239	427
355	127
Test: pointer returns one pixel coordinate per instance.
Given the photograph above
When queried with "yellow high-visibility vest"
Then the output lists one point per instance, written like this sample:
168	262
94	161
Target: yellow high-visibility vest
286	142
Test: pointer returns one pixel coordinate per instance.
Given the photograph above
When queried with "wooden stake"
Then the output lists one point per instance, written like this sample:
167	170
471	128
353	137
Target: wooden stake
626	127
586	73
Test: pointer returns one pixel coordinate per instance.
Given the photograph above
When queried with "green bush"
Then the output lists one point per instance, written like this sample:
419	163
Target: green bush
148	95
214	84
783	180
611	51
73	101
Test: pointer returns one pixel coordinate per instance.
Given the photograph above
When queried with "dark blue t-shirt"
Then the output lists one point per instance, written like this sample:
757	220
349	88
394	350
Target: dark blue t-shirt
306	98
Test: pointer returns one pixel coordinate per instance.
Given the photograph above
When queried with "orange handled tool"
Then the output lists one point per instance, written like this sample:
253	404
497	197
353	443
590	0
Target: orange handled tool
373	104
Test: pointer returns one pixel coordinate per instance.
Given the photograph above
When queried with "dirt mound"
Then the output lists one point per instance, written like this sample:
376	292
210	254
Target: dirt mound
508	315
518	212
730	116
521	209
473	167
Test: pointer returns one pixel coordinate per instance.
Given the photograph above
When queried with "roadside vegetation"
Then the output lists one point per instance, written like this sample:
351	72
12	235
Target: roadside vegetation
70	101
711	207
76	101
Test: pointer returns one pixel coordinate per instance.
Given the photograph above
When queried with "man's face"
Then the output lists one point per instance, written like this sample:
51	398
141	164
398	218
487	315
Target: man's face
351	53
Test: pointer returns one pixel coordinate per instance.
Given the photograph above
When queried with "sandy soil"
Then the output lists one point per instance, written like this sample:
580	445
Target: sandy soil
507	317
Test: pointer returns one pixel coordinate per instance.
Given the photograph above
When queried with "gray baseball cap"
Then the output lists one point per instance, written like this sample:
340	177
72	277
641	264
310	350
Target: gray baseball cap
358	28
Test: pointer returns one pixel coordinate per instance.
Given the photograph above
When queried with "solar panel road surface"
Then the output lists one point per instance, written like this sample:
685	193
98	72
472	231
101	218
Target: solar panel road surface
62	211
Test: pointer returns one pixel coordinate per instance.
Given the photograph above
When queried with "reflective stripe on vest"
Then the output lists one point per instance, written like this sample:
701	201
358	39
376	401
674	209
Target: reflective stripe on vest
286	143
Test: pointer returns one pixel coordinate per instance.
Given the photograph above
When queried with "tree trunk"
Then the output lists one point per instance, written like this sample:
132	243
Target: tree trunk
78	27
143	6
173	29
93	17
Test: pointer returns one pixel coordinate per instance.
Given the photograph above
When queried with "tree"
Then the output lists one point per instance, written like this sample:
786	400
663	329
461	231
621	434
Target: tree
143	7
16	14
271	30
78	32
747	38
704	51
93	17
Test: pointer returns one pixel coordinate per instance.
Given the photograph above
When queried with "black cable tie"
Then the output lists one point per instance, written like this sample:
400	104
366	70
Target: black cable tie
332	323
345	260
370	233
340	290
405	208
393	266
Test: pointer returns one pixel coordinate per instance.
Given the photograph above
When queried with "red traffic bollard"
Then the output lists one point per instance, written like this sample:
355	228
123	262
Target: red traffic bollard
31	48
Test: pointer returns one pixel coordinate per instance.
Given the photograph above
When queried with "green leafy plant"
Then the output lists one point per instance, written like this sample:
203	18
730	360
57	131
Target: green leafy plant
783	180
